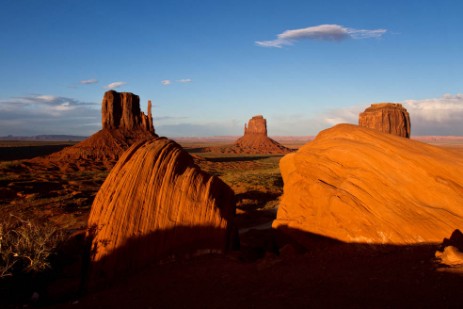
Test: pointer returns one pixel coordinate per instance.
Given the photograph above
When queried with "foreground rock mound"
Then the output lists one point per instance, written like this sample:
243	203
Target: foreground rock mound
359	185
156	203
389	118
254	141
123	125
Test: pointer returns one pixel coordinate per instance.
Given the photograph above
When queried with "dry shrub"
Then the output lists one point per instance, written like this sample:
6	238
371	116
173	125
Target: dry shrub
26	246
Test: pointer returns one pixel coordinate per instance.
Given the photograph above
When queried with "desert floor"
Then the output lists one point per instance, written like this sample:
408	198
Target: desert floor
269	270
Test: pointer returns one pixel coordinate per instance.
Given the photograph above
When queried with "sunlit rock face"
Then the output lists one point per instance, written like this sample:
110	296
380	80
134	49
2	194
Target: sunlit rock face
121	110
123	125
155	204
360	185
389	118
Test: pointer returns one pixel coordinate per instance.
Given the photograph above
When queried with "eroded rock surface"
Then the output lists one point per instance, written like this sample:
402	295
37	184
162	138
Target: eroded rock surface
157	203
358	185
389	118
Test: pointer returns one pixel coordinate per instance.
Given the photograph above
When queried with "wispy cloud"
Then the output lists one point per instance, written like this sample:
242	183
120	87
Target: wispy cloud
47	114
89	81
115	85
184	81
166	82
321	32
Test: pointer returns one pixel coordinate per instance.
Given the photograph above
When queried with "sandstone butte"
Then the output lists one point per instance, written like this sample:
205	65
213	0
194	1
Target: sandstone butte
123	125
155	204
359	185
390	118
254	140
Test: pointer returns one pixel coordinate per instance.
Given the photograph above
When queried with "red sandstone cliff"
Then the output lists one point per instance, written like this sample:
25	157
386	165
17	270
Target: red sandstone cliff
390	118
123	125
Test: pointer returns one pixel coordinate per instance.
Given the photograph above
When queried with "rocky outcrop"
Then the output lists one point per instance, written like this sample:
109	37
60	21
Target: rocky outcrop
156	203
121	110
254	140
257	125
358	185
390	118
123	125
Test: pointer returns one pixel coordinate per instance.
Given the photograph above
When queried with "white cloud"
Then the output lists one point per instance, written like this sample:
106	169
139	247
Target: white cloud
435	116
166	82
185	80
321	32
88	81
48	114
115	85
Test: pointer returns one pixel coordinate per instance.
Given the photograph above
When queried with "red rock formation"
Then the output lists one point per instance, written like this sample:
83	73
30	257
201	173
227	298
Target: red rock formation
388	118
254	141
359	185
123	125
256	125
156	203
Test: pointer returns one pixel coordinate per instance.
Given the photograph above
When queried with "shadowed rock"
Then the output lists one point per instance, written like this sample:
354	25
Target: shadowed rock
359	185
157	203
388	118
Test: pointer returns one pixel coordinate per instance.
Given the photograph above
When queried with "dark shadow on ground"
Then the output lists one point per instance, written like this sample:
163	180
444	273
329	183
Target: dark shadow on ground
287	268
28	152
238	158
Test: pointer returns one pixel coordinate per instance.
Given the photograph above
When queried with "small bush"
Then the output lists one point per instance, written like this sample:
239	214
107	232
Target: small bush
26	246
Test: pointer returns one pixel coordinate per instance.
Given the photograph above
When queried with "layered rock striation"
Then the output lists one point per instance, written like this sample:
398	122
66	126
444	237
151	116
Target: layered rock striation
390	118
254	140
123	125
156	203
358	185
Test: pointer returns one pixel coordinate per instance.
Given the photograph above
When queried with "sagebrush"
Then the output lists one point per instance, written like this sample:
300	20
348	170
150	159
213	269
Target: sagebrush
27	245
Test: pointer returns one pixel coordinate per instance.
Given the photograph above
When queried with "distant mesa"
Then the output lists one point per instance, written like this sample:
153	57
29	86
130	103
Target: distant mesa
361	186
155	204
390	118
123	125
254	140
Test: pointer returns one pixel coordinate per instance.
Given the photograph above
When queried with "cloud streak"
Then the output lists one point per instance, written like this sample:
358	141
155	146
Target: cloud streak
115	85
327	32
166	82
88	81
184	81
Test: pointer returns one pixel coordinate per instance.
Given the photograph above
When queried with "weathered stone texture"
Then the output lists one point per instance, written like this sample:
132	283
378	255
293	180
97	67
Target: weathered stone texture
389	118
358	185
156	203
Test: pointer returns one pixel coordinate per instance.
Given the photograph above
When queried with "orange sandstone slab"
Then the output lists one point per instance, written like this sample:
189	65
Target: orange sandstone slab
156	204
359	185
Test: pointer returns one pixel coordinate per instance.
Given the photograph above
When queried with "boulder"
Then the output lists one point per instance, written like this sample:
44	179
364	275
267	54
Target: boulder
389	118
157	204
359	185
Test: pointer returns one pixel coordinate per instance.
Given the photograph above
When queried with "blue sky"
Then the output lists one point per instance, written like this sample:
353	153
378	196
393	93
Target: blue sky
209	66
